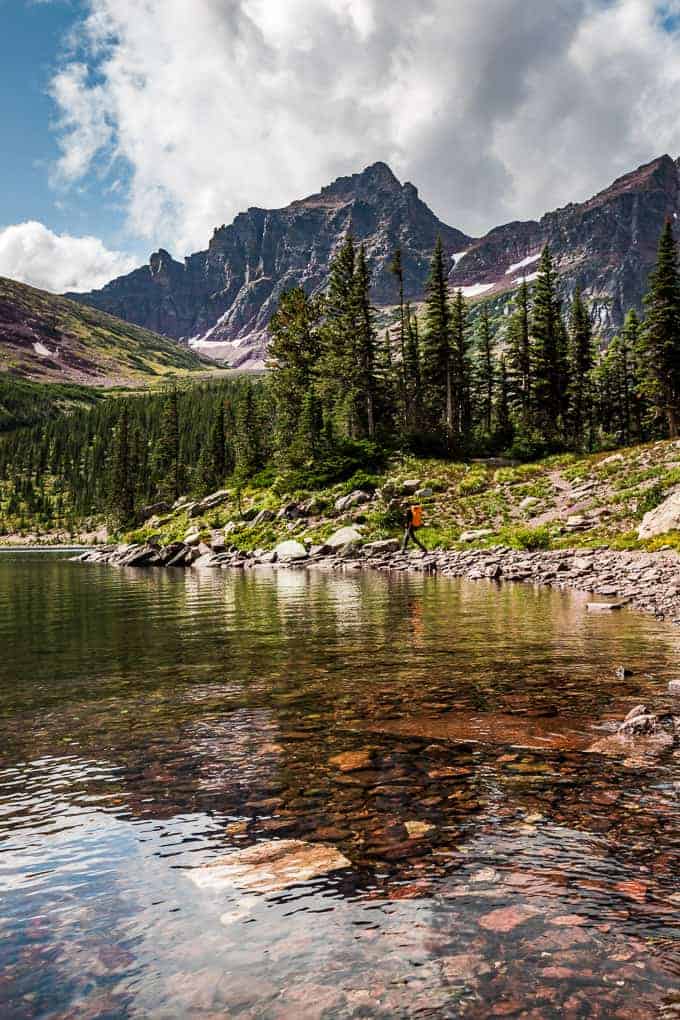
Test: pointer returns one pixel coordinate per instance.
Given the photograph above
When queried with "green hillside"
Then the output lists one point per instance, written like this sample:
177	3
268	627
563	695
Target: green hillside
48	338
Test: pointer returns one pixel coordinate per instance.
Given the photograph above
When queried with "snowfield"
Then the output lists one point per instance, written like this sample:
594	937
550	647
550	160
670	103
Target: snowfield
528	261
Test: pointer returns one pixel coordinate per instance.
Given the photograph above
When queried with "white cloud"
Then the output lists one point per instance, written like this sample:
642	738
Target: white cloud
31	253
496	109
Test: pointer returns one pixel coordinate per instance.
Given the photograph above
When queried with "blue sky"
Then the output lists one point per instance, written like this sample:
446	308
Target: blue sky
32	41
173	116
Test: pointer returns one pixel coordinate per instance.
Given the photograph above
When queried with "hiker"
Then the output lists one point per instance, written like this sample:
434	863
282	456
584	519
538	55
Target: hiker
414	520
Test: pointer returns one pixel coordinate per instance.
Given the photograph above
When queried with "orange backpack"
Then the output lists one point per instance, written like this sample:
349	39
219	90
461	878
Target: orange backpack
417	516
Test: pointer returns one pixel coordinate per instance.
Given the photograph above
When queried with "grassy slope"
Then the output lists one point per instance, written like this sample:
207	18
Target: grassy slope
610	492
94	348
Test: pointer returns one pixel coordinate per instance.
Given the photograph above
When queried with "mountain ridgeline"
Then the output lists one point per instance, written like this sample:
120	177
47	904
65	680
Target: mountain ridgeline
222	299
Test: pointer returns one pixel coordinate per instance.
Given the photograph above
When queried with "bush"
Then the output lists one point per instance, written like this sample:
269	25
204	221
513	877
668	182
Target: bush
530	539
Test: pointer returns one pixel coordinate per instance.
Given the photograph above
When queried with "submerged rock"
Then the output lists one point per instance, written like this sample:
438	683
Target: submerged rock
352	761
270	866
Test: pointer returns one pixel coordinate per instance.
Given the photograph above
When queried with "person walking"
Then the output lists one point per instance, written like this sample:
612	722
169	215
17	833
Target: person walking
414	520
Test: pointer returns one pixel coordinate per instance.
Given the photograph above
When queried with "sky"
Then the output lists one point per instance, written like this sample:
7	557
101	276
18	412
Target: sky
129	125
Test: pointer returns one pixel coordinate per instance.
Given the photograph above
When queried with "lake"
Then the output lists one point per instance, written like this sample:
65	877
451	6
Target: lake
428	735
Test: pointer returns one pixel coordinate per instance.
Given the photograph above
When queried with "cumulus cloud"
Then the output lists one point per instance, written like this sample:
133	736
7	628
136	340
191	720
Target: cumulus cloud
32	253
496	109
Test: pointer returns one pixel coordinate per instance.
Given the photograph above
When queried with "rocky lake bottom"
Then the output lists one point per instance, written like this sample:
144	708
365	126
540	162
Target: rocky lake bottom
311	794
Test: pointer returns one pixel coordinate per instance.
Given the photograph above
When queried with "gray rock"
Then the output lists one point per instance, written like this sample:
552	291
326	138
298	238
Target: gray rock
661	520
410	486
263	517
528	502
342	537
386	545
288	552
424	493
474	536
356	498
674	686
155	508
192	538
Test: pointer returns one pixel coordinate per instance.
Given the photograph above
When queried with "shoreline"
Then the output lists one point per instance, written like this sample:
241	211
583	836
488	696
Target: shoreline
646	581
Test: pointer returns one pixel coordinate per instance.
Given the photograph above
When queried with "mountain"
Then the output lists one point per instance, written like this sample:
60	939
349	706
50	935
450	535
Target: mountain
220	300
47	338
606	246
227	294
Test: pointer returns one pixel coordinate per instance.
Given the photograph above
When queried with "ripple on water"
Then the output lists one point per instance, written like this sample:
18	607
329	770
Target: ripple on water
154	722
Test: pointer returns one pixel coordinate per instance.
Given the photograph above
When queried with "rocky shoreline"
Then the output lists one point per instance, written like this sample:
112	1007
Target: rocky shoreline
646	581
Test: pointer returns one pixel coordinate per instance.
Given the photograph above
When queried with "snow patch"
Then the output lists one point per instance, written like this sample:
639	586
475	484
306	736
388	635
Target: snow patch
531	277
457	256
529	260
475	289
41	350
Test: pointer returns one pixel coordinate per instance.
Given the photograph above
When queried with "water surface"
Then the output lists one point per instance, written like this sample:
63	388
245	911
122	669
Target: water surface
153	721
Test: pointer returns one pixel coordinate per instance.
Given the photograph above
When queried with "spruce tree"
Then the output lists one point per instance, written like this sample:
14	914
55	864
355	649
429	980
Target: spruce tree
459	407
397	269
294	352
485	374
437	353
168	467
547	338
364	372
519	361
661	335
122	485
580	369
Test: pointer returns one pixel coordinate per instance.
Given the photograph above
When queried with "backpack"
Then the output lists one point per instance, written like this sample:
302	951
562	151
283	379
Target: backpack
417	516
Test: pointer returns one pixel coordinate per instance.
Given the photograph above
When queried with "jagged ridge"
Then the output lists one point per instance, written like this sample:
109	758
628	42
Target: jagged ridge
222	299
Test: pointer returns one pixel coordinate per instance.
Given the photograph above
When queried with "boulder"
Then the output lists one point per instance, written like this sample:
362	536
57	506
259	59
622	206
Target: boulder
424	493
144	556
410	486
211	501
343	537
192	538
356	498
169	552
662	519
263	517
290	512
217	541
528	502
208	559
475	536
287	552
153	509
381	548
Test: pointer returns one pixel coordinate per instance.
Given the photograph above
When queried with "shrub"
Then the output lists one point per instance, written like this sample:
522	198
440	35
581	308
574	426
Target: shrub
529	539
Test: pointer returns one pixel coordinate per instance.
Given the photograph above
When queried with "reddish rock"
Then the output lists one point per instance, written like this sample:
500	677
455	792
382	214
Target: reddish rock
505	919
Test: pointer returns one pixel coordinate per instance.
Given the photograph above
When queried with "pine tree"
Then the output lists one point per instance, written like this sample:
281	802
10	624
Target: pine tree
294	352
122	486
547	352
437	355
502	417
397	269
661	336
580	370
337	376
485	373
169	469
519	362
412	370
460	404
364	344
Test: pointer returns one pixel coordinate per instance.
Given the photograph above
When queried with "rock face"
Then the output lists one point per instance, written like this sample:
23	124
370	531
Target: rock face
662	519
606	245
227	294
222	299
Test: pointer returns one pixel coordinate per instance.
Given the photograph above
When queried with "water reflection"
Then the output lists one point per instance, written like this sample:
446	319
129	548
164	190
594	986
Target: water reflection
151	722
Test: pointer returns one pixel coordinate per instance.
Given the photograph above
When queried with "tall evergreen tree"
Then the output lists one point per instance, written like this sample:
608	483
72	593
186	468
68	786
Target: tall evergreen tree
438	361
122	489
519	361
547	351
169	468
485	374
294	352
661	335
364	369
580	372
